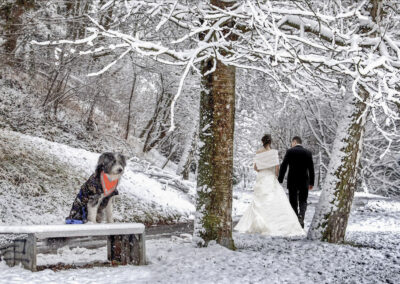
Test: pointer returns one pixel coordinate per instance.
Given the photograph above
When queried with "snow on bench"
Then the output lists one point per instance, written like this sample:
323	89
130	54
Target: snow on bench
125	241
54	231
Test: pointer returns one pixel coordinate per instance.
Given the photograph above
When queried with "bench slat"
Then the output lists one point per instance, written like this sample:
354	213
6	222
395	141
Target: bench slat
54	231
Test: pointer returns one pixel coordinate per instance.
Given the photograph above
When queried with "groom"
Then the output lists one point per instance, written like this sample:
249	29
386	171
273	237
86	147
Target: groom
300	177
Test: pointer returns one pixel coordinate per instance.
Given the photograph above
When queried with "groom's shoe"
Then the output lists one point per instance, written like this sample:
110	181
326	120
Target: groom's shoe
301	221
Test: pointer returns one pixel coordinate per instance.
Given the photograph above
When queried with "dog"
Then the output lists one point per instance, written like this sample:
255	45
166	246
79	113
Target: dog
98	192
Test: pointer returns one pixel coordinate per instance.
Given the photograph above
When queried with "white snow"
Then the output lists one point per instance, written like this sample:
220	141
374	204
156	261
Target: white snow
54	231
373	227
375	259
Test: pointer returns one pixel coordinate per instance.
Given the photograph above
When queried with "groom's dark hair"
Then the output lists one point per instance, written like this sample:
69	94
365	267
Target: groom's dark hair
297	139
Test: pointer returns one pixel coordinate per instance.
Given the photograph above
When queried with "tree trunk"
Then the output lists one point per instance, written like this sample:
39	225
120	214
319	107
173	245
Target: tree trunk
90	124
105	19
186	168
213	220
171	153
185	157
156	129
214	180
191	158
333	210
332	213
159	131
128	124
12	13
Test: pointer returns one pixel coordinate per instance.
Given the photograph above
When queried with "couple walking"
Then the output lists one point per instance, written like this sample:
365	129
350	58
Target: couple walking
270	212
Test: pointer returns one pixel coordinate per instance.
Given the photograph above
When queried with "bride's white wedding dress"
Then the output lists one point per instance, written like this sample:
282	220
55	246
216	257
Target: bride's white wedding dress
270	212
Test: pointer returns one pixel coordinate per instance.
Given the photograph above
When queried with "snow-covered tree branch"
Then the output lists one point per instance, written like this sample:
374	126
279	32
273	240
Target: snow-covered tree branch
302	46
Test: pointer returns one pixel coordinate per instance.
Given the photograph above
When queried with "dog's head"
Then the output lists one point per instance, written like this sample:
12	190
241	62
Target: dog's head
111	163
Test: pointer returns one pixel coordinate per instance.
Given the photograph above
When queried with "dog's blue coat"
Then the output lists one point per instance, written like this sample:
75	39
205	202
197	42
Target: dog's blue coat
90	191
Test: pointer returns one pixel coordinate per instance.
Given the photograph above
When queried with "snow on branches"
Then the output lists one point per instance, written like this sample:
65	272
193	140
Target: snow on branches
314	41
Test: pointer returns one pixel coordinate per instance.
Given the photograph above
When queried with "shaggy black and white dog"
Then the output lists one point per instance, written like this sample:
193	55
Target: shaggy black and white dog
98	192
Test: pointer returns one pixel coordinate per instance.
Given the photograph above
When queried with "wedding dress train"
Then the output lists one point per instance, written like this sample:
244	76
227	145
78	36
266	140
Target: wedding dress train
270	212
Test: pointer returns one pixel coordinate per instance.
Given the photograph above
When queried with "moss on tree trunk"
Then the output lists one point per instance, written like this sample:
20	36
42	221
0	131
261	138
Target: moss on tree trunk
214	179
216	127
333	211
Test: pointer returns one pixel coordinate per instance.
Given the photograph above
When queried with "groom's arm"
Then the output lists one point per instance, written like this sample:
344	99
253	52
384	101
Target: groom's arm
311	170
282	170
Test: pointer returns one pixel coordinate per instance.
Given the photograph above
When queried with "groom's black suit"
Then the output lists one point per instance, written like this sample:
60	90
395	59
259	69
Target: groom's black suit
300	176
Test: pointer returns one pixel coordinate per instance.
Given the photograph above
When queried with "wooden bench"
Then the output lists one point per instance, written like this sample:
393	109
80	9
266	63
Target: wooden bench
125	241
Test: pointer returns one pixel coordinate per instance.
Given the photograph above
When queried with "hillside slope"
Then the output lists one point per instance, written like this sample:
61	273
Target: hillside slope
45	158
39	180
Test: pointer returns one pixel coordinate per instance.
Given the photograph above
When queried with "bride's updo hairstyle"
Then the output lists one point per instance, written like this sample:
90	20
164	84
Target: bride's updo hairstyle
266	140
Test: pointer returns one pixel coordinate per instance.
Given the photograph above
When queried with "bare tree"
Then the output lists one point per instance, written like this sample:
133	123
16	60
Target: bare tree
12	13
156	129
132	94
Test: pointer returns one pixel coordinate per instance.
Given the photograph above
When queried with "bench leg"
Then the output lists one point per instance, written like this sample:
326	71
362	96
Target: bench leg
7	254
114	248
142	249
126	249
25	252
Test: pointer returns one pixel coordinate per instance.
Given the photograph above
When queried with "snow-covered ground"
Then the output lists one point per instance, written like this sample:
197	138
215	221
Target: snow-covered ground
372	255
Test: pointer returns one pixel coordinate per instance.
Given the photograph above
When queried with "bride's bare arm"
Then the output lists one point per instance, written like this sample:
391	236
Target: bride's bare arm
277	171
255	167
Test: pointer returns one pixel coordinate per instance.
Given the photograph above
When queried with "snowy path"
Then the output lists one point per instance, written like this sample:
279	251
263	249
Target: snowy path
374	227
259	260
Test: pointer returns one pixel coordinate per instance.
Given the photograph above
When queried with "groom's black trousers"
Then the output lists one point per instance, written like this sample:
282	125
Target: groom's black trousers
298	200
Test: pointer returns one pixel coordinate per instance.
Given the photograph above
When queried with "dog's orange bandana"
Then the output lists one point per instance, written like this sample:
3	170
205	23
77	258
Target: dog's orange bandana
108	185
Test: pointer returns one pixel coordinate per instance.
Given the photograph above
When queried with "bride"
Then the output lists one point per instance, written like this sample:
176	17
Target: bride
270	212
